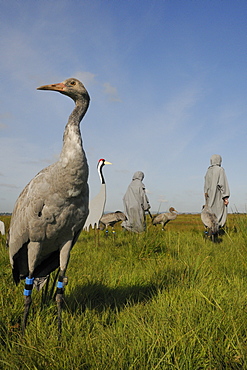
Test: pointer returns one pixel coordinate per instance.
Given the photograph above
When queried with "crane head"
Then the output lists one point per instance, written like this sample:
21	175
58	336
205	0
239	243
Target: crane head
102	162
70	87
100	166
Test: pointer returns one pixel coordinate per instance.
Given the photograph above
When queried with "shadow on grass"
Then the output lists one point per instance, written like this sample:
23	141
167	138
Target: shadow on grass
99	297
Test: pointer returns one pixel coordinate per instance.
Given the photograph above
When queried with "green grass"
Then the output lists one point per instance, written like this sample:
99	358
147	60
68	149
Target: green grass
159	300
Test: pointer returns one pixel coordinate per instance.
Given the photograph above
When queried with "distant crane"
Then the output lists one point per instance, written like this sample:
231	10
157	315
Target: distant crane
164	218
52	209
2	228
110	219
210	222
97	204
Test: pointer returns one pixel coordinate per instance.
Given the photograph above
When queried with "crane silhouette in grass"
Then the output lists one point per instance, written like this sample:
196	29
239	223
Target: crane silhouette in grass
110	219
51	210
164	218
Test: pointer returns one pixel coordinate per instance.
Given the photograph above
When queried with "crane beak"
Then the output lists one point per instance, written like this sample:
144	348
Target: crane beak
107	162
54	87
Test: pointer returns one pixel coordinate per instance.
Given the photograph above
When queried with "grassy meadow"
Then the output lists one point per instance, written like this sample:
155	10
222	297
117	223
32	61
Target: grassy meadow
159	300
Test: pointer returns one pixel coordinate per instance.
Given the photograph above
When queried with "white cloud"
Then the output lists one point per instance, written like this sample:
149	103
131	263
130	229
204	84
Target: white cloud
88	78
111	92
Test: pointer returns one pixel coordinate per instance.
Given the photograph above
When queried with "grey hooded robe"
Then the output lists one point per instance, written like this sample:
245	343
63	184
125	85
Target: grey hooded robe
135	204
216	187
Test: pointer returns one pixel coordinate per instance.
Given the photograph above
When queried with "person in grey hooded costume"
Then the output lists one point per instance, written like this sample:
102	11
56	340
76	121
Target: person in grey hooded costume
135	204
216	189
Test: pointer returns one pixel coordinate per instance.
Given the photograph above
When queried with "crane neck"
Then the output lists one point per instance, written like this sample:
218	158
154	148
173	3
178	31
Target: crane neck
72	134
100	171
81	107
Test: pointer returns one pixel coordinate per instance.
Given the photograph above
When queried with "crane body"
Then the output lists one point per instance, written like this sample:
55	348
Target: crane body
164	218
97	204
210	222
110	219
51	210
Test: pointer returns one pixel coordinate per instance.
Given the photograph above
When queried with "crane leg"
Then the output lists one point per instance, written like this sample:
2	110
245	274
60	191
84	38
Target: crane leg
27	300
62	281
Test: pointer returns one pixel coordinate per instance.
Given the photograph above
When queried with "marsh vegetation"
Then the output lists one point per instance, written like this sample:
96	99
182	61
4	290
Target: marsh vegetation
159	300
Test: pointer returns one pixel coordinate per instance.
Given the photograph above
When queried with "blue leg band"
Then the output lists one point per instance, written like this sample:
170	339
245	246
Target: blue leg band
29	281
27	292
60	284
28	286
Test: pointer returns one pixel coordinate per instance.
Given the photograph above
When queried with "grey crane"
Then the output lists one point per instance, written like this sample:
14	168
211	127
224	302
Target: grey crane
164	218
51	210
110	219
210	222
97	204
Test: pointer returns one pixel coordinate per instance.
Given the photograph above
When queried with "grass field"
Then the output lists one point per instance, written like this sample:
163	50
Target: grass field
159	300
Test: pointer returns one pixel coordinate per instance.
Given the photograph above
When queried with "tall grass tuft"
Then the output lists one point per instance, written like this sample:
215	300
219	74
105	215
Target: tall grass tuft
159	300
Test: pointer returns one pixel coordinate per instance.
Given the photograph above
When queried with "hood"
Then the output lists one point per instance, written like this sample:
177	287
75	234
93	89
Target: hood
138	175
215	160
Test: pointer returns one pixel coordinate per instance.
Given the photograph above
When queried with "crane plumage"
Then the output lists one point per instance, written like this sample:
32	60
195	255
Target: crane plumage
110	219
164	218
52	209
97	204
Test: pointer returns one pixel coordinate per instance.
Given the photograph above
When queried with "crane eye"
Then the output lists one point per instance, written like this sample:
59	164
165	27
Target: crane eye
72	83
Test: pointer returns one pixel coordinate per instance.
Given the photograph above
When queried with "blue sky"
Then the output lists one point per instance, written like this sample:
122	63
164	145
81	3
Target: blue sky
167	81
